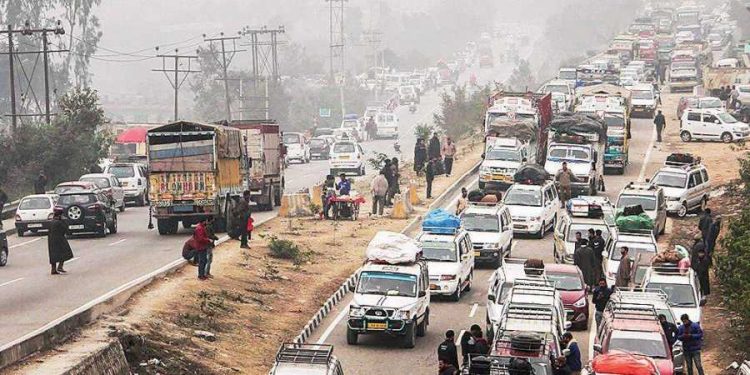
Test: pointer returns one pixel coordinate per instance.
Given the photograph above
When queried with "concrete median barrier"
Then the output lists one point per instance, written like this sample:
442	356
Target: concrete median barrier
295	205
316	197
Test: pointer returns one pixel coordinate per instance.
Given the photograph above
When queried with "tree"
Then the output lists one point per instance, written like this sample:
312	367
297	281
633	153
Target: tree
521	79
461	112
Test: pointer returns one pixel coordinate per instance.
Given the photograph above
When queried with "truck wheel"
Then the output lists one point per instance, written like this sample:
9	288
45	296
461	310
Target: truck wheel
351	336
422	327
542	231
410	339
166	226
113	227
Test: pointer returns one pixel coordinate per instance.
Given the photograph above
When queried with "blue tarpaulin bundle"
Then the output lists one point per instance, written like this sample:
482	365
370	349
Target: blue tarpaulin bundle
441	221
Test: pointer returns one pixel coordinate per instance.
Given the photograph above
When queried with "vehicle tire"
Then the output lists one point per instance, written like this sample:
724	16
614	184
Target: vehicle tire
122	208
726	137
113	227
3	257
410	339
166	226
422	327
351	336
140	201
19	232
102	232
456	296
497	263
683	210
471	279
542	231
686	136
554	253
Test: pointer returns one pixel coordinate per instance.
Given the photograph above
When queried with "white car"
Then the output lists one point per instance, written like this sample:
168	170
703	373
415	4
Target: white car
450	260
387	125
134	180
491	232
308	359
502	158
108	184
712	125
650	198
643	100
347	157
500	283
682	290
297	147
685	187
34	213
533	208
744	91
636	242
567	227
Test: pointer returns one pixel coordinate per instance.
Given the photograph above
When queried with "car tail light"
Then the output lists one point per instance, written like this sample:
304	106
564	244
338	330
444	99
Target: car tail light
18	217
95	207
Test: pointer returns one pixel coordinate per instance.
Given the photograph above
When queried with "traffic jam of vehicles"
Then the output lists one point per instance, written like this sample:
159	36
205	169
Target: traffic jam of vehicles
544	168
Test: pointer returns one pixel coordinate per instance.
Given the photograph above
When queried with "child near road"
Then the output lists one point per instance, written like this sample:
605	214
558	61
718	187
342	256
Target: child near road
250	227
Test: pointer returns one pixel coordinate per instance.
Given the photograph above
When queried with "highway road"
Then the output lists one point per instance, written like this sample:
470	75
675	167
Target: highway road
385	355
30	297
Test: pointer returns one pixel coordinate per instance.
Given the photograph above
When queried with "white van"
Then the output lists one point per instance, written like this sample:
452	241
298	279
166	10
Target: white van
347	156
490	230
712	125
387	125
643	100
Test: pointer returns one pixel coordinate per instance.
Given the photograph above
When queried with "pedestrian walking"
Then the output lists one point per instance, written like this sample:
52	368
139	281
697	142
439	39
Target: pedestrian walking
434	149
462	201
573	358
40	185
234	225
669	328
704	224
701	267
624	270
600	298
660	123
445	368
565	177
420	156
243	212
388	171
379	189
57	245
713	235
447	351
3	201
448	151
583	258
691	335
429	176
202	243
393	186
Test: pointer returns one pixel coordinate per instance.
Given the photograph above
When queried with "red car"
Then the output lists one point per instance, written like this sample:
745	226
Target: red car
623	363
569	282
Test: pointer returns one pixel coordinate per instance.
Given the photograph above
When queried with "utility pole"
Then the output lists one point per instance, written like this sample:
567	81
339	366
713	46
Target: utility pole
226	59
264	55
336	36
176	82
27	30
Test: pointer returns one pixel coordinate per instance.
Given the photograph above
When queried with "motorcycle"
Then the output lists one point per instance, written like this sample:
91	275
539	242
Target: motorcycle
412	107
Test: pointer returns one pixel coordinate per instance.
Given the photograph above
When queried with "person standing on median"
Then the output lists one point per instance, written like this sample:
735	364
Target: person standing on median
429	177
202	243
434	149
40	185
379	190
448	150
420	156
243	212
57	245
660	123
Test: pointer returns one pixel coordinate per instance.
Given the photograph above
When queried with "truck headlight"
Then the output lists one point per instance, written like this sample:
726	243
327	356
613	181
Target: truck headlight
580	303
536	218
356	312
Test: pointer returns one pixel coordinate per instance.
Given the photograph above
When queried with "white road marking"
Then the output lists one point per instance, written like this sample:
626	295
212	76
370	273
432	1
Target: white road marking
334	323
473	310
72	260
117	242
25	243
648	156
11	282
458	338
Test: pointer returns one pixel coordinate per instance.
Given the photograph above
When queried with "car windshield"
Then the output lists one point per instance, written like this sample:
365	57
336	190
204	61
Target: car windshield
643	95
291	139
613	121
562	89
68	200
678	295
519	197
35	203
439	251
634	248
647	343
647	203
710	103
568	154
565	281
387	283
568	75
121	171
321	131
343	148
726	118
584	229
100	182
665	179
317	143
503	154
476	222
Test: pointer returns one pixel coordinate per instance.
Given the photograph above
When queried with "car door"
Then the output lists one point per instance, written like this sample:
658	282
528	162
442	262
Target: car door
117	191
467	257
711	129
506	228
694	193
694	124
549	209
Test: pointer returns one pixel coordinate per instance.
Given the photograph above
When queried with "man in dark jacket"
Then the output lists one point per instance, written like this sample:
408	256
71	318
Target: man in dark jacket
691	335
429	177
705	223
660	123
481	346
583	257
57	245
40	185
467	346
242	212
598	243
580	241
447	349
698	245
433	152
713	234
701	266
670	329
3	201
420	156
445	368
573	358
601	296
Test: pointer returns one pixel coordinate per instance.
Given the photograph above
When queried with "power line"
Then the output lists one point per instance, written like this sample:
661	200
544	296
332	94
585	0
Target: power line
265	62
176	82
226	59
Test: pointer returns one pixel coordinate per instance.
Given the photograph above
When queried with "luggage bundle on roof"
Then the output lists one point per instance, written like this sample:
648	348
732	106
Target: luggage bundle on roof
531	174
440	221
578	124
526	342
533	267
679	159
393	248
522	129
579	207
633	219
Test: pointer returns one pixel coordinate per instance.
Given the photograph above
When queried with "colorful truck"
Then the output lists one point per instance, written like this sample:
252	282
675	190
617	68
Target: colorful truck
195	169
265	161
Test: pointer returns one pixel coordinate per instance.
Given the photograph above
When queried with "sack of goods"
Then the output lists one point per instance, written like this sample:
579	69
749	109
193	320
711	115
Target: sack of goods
531	174
441	222
633	223
679	158
579	123
522	129
526	341
393	248
620	362
533	266
667	257
475	196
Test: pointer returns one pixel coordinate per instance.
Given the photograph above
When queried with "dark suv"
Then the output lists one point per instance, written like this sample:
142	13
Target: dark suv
3	249
87	211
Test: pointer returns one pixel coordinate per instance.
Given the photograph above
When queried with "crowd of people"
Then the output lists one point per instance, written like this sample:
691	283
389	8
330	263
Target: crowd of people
434	159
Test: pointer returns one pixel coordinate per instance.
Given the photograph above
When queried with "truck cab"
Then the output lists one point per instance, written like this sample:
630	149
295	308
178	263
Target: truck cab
558	86
502	158
450	259
490	231
644	100
509	108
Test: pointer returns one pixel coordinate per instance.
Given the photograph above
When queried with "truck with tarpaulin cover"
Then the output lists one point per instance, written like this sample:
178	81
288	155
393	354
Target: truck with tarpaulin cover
261	140
195	169
525	106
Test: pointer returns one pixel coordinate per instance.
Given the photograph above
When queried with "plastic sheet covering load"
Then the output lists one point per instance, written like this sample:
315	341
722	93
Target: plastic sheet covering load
392	248
567	123
523	130
532	174
441	222
633	223
616	362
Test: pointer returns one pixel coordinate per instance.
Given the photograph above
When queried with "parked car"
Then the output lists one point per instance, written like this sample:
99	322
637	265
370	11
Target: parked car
65	187
533	208
682	289
450	261
569	283
650	198
689	102
297	147
347	157
712	125
34	213
636	242
133	178
87	211
109	185
686	187
491	232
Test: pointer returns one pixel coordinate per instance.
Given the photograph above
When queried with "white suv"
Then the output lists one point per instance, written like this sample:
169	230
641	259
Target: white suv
681	287
295	359
643	99
636	242
347	157
712	125
686	187
450	259
533	208
650	198
490	230
134	180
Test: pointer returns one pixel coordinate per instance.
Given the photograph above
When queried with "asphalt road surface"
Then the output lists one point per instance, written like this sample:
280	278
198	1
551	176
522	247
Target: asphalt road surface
384	354
30	297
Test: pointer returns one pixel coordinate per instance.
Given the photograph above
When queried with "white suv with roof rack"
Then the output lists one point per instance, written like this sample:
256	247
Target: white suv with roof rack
686	187
533	208
580	217
450	259
680	286
637	242
531	306
651	198
296	359
490	230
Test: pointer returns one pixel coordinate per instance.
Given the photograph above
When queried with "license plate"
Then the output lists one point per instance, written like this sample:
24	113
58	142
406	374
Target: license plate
35	225
477	254
500	178
434	287
344	157
183	208
380	326
77	226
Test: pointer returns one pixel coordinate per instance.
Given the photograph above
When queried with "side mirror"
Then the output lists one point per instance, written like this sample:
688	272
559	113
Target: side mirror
491	297
598	348
422	293
567	325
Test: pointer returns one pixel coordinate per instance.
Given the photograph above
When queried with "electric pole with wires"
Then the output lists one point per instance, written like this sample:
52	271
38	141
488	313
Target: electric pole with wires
224	61
264	43
180	75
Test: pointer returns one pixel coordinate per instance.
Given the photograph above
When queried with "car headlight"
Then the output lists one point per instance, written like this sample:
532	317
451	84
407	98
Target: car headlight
401	314
356	312
673	198
447	277
536	218
485	170
581	302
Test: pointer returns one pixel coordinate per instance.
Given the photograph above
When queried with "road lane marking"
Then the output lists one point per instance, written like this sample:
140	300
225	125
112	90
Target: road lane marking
25	243
72	260
473	310
334	323
117	242
458	339
648	156
11	282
